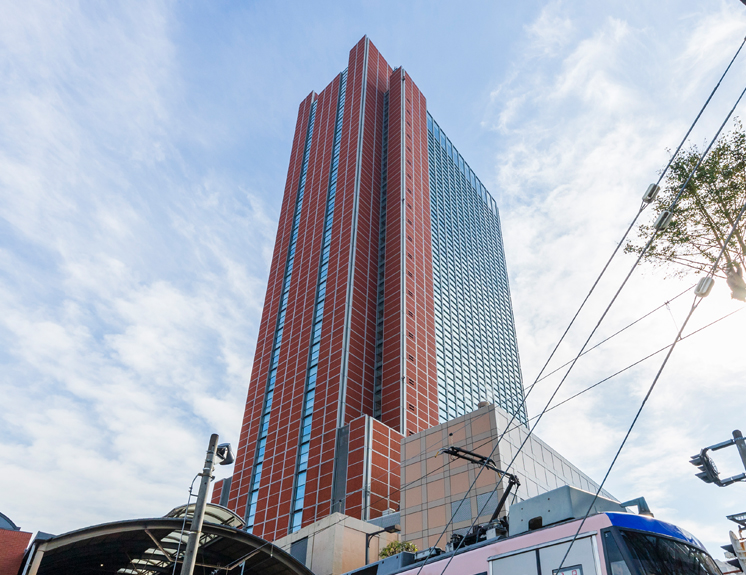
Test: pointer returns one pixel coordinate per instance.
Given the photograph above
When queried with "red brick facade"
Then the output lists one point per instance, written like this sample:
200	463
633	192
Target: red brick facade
12	547
410	398
344	435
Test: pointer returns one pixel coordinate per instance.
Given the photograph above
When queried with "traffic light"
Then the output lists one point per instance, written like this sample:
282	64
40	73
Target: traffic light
708	470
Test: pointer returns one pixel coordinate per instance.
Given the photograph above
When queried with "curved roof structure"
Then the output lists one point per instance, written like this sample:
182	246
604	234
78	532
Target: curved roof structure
6	523
153	546
213	514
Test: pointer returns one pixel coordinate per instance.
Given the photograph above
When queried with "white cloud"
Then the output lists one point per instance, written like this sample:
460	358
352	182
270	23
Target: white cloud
580	136
131	280
133	256
550	32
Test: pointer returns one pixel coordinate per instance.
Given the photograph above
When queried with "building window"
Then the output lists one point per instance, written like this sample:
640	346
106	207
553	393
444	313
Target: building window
256	477
301	466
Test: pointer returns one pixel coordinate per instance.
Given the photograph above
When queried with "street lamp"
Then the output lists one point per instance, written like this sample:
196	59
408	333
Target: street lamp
224	455
368	536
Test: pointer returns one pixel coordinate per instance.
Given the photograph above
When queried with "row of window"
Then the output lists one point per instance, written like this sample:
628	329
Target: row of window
301	468
378	366
458	160
476	349
277	341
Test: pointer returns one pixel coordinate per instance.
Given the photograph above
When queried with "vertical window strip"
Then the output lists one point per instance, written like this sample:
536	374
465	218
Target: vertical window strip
301	466
277	341
378	369
470	289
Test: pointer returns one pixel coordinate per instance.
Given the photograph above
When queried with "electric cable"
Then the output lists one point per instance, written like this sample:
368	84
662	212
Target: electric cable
515	495
480	512
634	220
695	304
638	320
642	207
647	246
611	303
630	366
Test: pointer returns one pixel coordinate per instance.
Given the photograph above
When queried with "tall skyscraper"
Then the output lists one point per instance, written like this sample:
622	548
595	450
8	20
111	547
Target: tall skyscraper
387	307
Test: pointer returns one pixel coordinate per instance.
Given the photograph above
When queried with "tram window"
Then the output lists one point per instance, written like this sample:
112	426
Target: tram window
654	555
617	565
520	563
580	558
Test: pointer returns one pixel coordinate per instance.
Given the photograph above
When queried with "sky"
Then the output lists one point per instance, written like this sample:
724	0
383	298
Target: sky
143	153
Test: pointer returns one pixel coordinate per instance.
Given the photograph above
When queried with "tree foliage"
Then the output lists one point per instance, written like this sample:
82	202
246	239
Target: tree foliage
397	547
705	212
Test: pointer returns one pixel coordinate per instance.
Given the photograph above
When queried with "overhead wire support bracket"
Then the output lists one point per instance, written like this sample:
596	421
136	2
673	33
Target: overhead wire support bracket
488	463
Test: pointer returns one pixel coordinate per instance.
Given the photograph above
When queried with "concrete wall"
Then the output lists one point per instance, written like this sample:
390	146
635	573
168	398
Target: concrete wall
336	544
434	485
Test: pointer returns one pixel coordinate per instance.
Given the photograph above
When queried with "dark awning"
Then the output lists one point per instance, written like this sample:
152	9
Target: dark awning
150	546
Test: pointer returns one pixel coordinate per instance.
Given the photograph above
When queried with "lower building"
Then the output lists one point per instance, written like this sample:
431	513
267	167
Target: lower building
434	484
433	487
336	544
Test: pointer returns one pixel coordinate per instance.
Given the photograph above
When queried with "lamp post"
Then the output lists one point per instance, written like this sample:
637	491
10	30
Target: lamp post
368	536
224	455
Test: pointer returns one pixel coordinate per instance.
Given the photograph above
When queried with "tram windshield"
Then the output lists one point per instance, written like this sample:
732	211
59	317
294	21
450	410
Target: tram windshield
654	555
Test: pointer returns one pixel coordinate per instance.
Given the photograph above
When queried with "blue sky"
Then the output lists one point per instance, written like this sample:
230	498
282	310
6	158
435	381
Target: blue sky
143	150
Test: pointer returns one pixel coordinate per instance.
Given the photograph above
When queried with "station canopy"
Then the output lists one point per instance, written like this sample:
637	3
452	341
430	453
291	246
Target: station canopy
156	546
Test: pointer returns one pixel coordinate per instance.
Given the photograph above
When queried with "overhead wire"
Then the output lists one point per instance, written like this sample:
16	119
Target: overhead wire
695	304
613	300
490	439
626	327
642	207
671	208
630	366
489	499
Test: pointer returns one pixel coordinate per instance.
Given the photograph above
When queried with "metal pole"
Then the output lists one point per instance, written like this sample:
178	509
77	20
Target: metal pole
368	537
190	555
741	445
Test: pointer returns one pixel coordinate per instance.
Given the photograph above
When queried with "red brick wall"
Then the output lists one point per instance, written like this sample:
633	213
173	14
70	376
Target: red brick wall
367	77
344	391
373	468
217	491
409	391
361	354
385	469
12	546
258	383
326	405
422	393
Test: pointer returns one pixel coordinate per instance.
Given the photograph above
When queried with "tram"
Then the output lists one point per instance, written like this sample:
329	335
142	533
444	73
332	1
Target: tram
611	541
